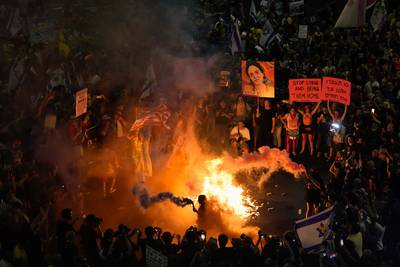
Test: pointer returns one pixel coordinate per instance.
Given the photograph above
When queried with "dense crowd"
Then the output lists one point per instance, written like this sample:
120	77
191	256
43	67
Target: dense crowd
352	153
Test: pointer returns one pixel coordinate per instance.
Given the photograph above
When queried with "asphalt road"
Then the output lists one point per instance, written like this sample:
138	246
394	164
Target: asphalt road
282	197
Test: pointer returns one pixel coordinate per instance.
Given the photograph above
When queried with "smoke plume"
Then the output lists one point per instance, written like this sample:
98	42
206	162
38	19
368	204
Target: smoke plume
146	200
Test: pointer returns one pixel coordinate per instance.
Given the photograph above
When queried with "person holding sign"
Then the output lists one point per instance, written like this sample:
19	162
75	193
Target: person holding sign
337	130
264	119
262	86
291	122
307	127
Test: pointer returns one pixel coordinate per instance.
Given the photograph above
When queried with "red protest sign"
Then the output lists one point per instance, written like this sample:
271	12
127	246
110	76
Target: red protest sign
336	90
305	90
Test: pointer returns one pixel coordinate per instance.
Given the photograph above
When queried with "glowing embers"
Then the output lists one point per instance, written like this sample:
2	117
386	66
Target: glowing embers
219	184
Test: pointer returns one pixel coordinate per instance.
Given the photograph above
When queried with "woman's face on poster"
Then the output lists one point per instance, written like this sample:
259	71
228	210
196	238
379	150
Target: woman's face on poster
256	75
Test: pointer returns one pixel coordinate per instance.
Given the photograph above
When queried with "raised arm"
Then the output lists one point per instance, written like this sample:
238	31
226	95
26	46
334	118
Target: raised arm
300	111
329	109
316	108
344	113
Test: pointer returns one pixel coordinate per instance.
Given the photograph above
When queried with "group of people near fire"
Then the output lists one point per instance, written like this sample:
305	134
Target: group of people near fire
354	149
316	130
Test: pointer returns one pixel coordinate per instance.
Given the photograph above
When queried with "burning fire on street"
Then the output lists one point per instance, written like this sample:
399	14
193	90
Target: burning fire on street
231	186
219	184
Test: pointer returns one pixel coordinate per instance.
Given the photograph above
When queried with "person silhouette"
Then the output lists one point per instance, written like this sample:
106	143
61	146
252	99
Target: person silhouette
201	211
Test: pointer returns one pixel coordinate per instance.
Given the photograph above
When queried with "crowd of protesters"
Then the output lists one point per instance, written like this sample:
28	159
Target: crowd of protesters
354	150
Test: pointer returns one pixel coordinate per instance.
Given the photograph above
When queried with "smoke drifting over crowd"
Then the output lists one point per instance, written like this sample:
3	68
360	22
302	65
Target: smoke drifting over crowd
188	171
152	37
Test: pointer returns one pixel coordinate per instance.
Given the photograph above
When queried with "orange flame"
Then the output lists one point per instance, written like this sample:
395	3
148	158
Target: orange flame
219	184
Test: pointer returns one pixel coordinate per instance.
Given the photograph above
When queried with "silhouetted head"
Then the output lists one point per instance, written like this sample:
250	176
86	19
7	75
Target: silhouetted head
202	199
166	237
222	240
149	231
66	214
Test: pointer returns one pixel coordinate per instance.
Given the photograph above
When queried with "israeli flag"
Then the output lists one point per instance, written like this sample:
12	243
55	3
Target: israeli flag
268	37
150	83
236	39
313	231
378	15
253	12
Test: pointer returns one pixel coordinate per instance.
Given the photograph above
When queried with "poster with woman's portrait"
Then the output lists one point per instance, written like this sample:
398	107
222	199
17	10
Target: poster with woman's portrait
258	78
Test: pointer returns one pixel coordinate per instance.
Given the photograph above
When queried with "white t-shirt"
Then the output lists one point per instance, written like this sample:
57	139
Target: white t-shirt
245	133
339	134
292	122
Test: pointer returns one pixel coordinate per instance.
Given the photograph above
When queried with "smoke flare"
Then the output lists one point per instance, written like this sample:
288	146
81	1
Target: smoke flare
146	200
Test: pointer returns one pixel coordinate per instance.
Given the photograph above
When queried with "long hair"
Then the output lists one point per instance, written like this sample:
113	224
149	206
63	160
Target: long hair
257	65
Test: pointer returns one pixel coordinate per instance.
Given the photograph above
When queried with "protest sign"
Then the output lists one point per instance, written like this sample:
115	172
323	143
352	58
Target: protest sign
305	90
303	31
258	78
155	258
50	121
224	78
336	90
81	102
296	8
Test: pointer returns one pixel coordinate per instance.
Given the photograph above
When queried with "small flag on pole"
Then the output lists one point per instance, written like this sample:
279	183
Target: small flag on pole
269	35
157	117
378	15
253	12
150	82
236	39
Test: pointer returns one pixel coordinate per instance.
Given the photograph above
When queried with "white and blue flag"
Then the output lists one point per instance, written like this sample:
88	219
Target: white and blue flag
269	35
378	15
236	39
254	14
313	231
150	82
